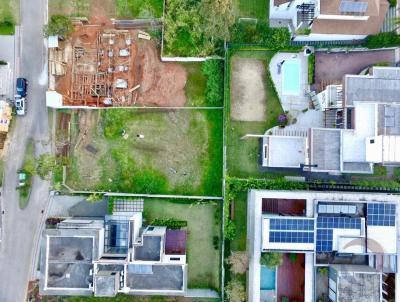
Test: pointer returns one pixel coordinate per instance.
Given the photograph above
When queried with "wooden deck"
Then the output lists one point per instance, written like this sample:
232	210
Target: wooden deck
296	207
291	279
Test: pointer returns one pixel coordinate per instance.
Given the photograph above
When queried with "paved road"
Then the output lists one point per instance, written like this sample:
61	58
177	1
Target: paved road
21	227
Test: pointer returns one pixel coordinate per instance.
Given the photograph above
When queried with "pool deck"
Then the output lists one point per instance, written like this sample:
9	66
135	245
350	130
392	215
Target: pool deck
292	103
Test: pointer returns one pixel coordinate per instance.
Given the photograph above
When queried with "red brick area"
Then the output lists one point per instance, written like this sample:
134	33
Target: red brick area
284	206
291	279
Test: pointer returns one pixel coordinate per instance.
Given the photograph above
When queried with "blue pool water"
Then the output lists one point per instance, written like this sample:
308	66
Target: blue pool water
267	278
291	77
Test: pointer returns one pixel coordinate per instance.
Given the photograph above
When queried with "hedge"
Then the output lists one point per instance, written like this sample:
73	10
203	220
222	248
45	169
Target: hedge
170	223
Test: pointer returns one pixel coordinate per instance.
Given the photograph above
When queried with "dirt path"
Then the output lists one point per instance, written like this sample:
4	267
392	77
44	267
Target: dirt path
248	97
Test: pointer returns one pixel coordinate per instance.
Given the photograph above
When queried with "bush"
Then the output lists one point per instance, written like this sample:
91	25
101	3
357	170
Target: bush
386	39
170	223
293	257
3	62
260	33
311	68
59	25
235	291
271	260
239	262
214	72
393	3
230	230
216	242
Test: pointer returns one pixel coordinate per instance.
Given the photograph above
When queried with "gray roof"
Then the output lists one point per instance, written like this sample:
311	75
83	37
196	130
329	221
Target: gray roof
150	250
158	277
389	120
106	284
325	149
383	86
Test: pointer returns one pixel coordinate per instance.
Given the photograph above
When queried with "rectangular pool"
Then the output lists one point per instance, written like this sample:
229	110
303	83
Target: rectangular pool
267	278
291	77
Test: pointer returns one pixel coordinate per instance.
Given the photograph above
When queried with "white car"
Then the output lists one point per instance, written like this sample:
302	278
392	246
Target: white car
20	105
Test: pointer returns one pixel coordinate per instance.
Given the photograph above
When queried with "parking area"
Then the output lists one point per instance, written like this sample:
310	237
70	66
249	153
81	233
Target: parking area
330	67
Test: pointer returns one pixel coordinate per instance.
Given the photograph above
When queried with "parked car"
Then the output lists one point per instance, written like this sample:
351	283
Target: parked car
20	105
22	85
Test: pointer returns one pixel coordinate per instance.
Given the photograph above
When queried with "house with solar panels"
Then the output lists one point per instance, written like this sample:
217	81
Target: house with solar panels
113	254
324	20
333	246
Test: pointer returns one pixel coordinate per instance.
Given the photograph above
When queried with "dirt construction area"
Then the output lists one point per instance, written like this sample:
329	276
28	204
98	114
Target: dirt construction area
102	66
331	67
248	96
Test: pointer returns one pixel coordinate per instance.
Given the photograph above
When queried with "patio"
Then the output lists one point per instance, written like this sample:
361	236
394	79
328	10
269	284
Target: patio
294	103
284	206
291	278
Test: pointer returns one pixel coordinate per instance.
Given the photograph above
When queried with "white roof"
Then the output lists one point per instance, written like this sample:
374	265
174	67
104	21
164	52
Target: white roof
285	151
52	41
54	99
381	239
350	244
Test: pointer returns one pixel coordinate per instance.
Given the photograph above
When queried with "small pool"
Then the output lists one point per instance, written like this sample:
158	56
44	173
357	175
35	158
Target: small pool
267	278
291	77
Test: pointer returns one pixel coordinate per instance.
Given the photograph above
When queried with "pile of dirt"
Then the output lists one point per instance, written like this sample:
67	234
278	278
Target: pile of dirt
161	84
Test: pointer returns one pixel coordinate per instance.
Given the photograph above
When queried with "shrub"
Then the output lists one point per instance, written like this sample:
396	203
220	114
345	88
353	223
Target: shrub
170	223
292	257
239	262
214	72
45	164
393	3
386	39
216	242
3	62
230	230
271	260
59	25
311	68
235	291
323	270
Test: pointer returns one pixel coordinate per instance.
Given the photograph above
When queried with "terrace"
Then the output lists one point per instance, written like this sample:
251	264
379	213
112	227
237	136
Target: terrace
296	207
291	277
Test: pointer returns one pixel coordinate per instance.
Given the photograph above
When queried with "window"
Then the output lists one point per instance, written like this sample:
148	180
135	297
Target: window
372	141
174	259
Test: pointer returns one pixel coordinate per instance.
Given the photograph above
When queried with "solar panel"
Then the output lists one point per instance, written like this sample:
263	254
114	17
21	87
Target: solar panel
325	226
347	6
291	237
291	224
380	214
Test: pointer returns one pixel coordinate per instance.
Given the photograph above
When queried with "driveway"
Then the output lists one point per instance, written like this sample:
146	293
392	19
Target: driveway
21	227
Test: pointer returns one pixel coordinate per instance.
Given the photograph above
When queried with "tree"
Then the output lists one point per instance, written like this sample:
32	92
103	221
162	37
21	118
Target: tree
45	164
239	262
271	260
59	25
235	291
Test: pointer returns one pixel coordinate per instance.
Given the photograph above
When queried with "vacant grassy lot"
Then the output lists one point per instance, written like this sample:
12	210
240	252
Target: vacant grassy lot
147	151
195	85
203	224
258	9
82	8
139	8
243	154
9	16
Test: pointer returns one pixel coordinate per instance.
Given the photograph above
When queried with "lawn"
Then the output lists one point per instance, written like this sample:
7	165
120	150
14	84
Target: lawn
203	225
258	9
139	8
81	8
195	85
160	152
240	220
243	154
9	16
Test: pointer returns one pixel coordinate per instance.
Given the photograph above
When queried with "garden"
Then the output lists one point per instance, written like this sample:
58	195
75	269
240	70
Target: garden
146	151
9	16
204	233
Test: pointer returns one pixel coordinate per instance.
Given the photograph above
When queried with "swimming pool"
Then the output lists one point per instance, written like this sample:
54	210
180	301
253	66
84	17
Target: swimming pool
267	278
291	77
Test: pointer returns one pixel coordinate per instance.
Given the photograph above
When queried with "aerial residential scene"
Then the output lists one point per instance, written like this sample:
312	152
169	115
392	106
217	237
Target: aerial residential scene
199	150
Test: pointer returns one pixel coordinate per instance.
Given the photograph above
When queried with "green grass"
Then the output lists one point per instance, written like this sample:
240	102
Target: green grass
139	8
124	298
81	8
9	16
29	158
258	9
181	153
203	224
195	85
240	220
243	154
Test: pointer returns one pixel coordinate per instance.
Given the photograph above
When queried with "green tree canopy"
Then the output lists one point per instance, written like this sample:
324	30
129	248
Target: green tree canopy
59	25
271	260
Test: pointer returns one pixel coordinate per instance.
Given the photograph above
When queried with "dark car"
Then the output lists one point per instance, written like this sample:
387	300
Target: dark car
22	84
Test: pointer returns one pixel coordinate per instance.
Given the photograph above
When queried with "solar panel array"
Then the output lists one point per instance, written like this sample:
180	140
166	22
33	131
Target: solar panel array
291	230
291	237
347	6
381	214
291	224
325	226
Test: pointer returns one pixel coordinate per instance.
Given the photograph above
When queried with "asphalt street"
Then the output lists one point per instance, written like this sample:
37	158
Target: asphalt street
21	227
